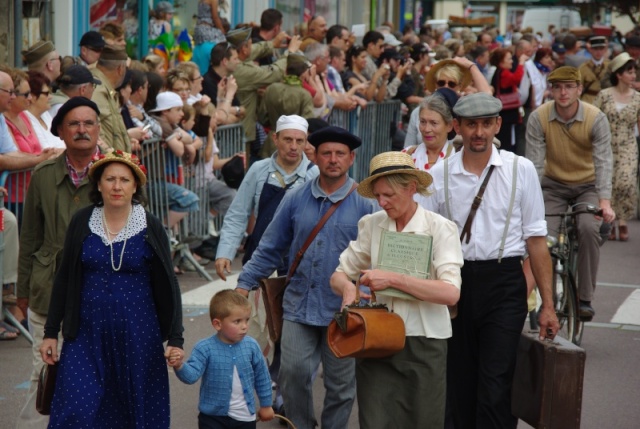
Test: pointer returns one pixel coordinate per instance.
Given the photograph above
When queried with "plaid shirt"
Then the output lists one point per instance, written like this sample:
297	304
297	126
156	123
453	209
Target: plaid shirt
78	176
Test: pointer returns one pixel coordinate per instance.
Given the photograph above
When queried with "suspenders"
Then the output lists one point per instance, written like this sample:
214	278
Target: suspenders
511	200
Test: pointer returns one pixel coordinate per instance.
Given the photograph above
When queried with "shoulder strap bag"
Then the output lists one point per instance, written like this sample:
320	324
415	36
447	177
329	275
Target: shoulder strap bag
273	288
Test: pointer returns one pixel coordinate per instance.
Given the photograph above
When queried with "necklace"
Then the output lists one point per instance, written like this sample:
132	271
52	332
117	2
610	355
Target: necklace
124	245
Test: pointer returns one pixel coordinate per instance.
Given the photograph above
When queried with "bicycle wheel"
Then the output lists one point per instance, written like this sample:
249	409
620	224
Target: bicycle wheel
565	304
578	329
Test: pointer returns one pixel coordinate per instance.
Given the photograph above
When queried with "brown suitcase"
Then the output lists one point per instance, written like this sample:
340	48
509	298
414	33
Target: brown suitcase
547	384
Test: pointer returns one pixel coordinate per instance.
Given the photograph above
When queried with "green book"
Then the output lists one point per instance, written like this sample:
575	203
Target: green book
404	253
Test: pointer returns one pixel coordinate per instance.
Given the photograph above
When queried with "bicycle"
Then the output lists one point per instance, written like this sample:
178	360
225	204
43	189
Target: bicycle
564	254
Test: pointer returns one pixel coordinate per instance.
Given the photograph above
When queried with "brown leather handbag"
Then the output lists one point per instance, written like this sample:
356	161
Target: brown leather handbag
273	288
365	331
46	386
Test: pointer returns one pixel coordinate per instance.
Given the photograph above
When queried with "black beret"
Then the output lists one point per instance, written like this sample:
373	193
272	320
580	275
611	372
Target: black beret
71	104
333	134
316	124
92	39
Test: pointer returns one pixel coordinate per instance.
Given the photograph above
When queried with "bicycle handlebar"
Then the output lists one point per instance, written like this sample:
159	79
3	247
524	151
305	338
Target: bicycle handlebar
590	209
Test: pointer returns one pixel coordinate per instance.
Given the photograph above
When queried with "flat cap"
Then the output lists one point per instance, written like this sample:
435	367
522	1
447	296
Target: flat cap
114	53
633	41
558	48
597	41
37	51
478	105
565	74
333	134
297	58
92	39
67	107
238	36
77	75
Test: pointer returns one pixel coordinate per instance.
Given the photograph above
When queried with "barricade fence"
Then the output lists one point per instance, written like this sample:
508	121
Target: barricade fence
16	183
374	125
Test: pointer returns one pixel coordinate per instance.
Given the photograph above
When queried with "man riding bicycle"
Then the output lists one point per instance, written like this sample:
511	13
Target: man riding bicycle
569	142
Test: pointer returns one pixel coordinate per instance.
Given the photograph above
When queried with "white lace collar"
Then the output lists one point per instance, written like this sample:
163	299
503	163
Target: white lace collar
137	223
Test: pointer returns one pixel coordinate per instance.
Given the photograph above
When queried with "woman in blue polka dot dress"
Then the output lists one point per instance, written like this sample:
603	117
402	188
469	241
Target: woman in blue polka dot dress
118	300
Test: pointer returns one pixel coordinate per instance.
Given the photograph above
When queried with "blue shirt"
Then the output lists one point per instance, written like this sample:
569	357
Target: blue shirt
308	298
6	141
248	196
214	360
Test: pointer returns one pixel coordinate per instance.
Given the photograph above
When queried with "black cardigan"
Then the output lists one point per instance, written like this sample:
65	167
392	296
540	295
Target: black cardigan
67	286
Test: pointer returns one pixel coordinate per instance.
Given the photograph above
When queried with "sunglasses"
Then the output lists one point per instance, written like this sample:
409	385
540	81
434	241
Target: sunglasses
449	83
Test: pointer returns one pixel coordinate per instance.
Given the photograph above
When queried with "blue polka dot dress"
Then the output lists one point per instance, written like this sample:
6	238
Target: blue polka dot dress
113	374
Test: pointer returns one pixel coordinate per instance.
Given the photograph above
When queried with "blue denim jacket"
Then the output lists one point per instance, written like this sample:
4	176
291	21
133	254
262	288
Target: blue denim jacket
308	299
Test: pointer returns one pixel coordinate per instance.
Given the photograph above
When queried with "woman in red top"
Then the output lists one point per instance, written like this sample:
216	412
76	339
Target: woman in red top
507	81
23	135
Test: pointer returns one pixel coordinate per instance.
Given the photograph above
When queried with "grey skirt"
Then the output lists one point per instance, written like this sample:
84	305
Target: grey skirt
406	390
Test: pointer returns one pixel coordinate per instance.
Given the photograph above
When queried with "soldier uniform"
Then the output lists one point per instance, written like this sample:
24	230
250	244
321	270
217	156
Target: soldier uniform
592	73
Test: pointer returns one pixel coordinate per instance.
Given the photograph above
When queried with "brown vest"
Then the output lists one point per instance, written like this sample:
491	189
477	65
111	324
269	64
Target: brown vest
569	154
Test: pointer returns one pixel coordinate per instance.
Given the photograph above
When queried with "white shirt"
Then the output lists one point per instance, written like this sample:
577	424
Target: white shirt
45	137
420	318
238	408
527	218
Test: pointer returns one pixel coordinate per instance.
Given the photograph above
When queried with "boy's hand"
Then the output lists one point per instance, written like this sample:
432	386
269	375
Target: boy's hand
265	414
174	356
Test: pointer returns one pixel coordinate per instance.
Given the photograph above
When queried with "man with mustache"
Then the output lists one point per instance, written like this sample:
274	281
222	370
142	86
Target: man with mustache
508	222
59	187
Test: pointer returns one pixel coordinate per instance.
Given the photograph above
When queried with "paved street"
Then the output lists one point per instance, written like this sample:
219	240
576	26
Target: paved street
612	341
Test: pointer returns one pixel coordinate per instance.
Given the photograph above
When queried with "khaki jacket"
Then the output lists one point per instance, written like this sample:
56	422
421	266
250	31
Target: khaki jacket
112	128
51	201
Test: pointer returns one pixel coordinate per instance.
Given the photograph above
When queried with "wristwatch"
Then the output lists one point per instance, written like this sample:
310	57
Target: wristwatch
237	110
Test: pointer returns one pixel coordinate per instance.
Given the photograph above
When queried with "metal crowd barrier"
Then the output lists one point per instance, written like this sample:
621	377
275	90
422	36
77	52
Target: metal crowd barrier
373	125
16	184
153	156
230	140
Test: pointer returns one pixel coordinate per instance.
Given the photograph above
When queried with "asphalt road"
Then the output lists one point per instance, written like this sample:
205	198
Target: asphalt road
612	341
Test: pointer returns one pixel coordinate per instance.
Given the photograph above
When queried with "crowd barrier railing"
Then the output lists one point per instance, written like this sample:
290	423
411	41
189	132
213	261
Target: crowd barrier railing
153	156
230	140
16	183
373	124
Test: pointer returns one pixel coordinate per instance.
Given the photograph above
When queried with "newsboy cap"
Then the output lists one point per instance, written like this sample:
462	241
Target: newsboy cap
478	105
333	134
565	74
67	107
238	36
37	51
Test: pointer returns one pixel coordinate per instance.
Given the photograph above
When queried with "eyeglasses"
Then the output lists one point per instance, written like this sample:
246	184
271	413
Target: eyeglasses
442	83
22	94
560	87
86	124
9	91
195	79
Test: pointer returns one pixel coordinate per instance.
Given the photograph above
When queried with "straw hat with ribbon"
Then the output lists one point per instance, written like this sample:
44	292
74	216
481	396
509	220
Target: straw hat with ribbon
388	163
119	156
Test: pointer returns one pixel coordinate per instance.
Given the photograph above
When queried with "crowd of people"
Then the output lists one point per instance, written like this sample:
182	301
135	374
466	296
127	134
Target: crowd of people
535	122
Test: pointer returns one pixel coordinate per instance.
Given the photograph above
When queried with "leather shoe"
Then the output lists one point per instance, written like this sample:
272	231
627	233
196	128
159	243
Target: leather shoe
624	232
586	310
612	234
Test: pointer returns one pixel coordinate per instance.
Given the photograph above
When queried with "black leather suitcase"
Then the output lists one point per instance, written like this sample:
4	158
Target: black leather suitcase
547	384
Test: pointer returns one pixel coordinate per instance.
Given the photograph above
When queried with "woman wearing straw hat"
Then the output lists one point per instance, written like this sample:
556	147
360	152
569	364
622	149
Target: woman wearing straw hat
621	104
407	389
118	299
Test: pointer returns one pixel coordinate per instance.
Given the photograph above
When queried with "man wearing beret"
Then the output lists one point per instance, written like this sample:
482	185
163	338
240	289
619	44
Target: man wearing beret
309	303
43	57
91	45
59	187
594	69
569	142
252	78
110	70
493	302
